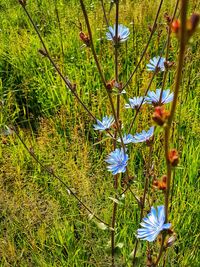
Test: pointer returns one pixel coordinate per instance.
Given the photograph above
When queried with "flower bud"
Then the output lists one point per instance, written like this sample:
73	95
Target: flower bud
160	185
22	2
167	18
175	27
110	85
171	240
160	115
84	38
192	24
173	157
42	52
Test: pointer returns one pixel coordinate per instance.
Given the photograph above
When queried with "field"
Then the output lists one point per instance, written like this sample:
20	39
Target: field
41	223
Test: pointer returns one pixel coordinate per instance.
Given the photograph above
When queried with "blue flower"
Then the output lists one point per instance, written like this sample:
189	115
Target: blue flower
104	124
123	33
154	97
143	136
153	224
127	139
152	66
117	160
135	102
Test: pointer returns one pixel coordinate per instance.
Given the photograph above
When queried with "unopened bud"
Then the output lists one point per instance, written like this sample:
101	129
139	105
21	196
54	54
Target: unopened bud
173	157
175	27
160	184
171	240
110	85
160	115
169	64
192	24
167	18
22	2
84	38
42	52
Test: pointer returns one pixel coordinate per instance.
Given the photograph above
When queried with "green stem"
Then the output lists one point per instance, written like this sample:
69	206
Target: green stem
183	41
146	47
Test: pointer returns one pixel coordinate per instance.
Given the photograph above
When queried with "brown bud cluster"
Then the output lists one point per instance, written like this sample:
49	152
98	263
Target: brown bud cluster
167	18
160	115
160	184
173	157
84	38
110	85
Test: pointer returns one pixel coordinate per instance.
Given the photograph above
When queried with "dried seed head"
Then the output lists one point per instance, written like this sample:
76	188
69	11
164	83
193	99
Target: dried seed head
160	115
160	184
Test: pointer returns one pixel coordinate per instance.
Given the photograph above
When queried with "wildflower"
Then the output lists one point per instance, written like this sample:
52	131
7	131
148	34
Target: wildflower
104	124
156	64
123	33
160	115
153	224
135	102
127	139
154	97
143	136
117	160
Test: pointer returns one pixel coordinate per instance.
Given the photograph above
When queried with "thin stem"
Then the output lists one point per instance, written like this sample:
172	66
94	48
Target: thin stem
167	50
116	42
50	171
183	42
100	71
146	92
104	13
60	30
144	194
66	80
146	47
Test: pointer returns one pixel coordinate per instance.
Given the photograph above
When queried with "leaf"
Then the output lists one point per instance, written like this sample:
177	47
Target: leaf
101	225
115	200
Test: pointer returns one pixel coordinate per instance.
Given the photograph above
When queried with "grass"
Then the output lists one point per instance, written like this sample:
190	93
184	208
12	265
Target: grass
40	223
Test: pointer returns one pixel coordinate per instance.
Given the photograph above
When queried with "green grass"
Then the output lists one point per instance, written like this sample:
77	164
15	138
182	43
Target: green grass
40	223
